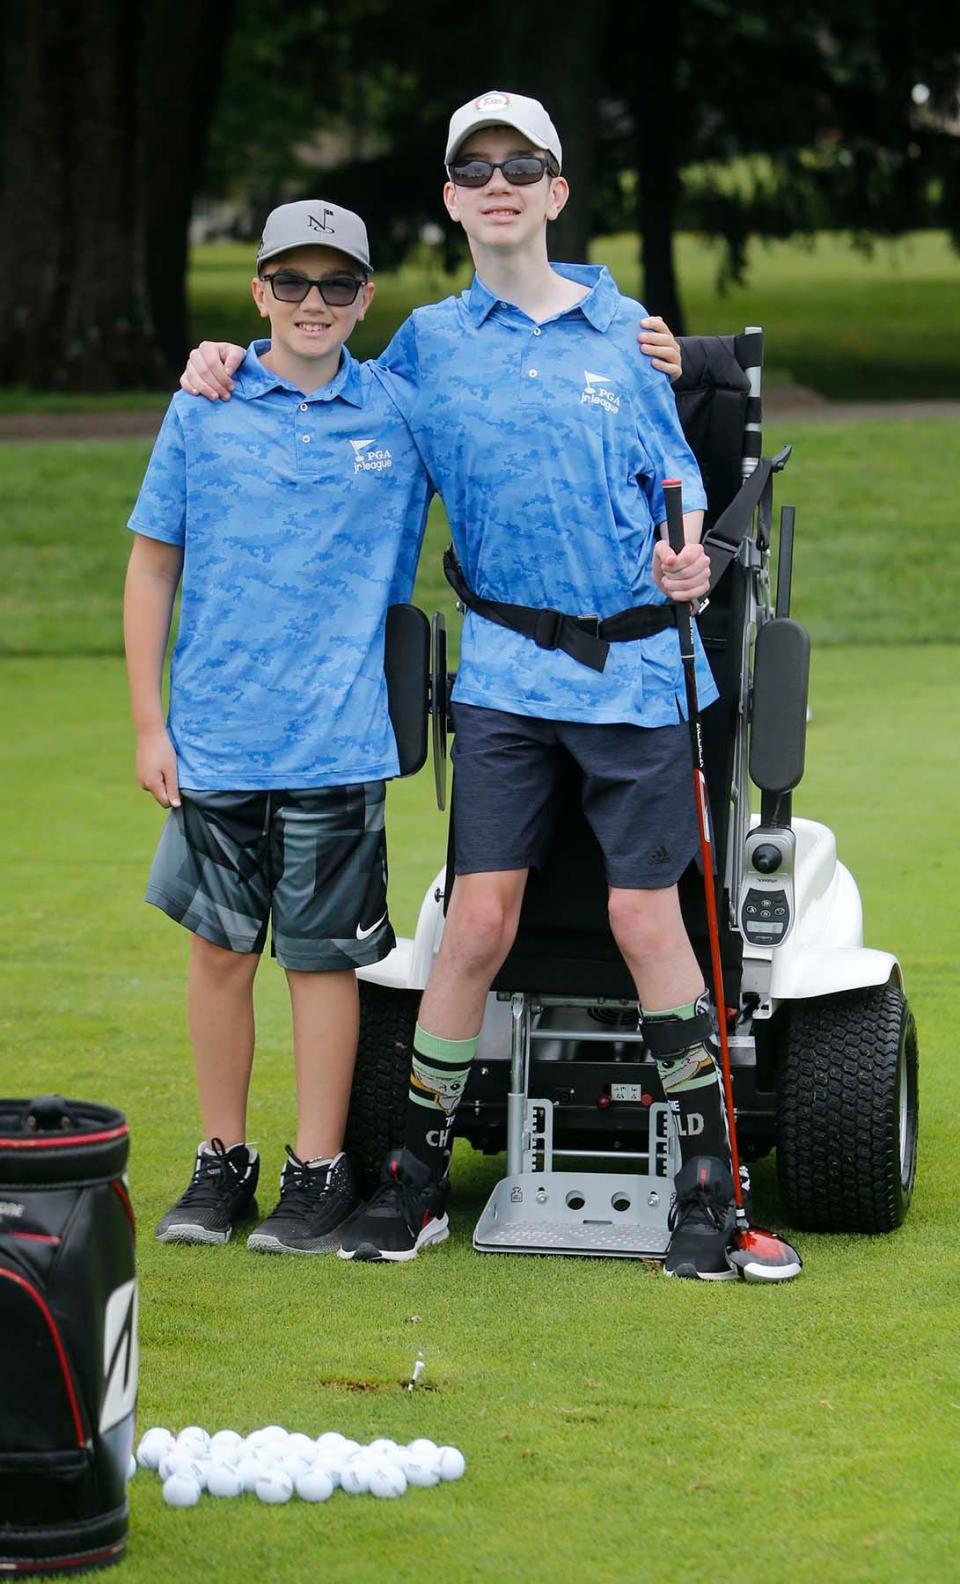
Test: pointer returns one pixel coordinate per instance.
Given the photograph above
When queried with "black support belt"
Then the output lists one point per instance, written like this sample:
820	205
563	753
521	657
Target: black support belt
584	638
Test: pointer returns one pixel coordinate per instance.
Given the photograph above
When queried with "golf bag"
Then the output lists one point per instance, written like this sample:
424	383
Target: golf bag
68	1335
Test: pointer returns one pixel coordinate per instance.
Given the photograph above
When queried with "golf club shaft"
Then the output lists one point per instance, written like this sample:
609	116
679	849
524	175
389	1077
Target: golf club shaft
673	497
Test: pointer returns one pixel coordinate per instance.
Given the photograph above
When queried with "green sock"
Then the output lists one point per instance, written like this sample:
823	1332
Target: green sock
438	1077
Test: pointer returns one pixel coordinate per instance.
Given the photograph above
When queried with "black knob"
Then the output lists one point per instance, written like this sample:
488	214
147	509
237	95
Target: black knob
767	858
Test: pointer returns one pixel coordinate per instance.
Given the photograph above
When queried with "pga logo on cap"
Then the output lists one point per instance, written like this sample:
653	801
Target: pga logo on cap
492	101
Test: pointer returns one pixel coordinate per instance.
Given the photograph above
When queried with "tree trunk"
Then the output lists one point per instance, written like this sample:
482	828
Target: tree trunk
181	60
105	115
656	111
70	239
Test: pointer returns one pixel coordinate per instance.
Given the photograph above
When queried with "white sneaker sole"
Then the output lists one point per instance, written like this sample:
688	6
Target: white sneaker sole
367	1253
186	1232
265	1243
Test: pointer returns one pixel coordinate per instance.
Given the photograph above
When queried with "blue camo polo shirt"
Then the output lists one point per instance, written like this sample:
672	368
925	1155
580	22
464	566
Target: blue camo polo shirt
549	443
301	517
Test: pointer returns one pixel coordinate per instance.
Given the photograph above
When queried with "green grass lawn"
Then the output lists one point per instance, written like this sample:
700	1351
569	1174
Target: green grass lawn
635	1427
877	560
852	327
617	1426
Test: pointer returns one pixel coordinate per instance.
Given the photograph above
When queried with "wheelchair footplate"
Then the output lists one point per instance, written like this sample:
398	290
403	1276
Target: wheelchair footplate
582	1210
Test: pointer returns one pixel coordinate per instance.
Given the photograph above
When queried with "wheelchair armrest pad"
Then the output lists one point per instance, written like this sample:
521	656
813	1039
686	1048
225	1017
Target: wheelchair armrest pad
406	664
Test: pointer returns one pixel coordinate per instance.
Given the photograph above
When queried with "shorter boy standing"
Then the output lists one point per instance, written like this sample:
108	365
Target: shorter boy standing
293	516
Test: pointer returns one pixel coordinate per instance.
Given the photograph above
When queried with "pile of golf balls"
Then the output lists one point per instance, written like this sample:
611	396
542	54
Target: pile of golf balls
274	1464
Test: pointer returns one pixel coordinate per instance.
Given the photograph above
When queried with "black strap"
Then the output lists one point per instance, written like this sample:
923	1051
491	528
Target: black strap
586	639
668	1039
724	539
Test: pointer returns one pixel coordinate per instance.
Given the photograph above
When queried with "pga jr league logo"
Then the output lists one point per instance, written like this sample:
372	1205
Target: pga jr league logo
596	394
366	461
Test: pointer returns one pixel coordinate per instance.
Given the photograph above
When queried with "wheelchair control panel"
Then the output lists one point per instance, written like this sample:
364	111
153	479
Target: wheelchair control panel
766	893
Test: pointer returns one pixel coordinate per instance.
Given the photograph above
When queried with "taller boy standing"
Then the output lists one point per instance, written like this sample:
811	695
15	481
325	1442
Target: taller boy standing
549	440
295	517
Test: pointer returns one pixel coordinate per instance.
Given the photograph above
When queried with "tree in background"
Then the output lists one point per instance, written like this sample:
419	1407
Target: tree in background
103	118
733	121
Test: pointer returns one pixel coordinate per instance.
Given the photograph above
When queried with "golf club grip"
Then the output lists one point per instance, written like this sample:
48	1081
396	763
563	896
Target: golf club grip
673	500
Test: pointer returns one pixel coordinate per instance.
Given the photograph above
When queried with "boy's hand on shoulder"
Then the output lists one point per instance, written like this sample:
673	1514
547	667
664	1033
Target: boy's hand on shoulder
658	342
209	368
684	577
157	768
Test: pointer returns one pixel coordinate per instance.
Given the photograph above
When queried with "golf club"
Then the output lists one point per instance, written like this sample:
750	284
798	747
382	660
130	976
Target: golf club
755	1254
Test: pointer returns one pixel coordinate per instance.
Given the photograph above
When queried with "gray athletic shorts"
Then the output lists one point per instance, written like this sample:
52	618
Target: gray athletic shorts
313	862
637	794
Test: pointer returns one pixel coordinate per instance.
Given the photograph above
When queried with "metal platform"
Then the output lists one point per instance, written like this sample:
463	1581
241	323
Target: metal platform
601	1213
537	1209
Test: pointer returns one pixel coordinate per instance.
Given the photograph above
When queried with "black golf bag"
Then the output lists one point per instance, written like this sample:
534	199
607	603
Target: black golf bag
68	1335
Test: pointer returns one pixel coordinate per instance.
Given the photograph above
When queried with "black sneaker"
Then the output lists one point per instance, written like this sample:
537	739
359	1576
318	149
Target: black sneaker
220	1194
407	1212
702	1220
315	1201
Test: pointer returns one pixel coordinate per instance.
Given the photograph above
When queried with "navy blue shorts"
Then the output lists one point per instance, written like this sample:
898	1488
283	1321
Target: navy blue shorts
637	794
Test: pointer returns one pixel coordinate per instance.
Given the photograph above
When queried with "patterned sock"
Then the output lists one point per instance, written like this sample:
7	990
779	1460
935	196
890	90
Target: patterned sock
680	1040
438	1077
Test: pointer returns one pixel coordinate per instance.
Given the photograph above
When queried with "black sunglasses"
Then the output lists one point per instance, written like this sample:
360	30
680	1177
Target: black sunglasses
337	291
520	170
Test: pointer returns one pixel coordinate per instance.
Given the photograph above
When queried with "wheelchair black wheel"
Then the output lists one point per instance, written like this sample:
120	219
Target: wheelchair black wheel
848	1110
378	1102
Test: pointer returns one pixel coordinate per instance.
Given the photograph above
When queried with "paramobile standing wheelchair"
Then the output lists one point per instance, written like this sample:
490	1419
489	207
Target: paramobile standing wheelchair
823	1043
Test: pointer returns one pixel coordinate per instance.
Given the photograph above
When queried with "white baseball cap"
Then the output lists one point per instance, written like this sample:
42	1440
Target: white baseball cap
497	108
311	222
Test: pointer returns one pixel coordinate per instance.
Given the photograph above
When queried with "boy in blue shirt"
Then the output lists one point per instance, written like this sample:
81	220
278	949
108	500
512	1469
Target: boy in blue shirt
292	519
549	440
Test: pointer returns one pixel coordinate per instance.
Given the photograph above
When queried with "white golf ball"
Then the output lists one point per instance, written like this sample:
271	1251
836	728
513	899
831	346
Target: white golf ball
300	1445
181	1491
315	1485
383	1448
421	1470
272	1433
292	1465
224	1480
274	1486
422	1448
153	1444
194	1434
226	1445
131	1467
249	1470
451	1463
330	1441
180	1461
386	1480
355	1477
328	1465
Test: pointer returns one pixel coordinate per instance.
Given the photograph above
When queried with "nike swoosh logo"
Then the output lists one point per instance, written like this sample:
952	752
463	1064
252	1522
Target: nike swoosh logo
363	933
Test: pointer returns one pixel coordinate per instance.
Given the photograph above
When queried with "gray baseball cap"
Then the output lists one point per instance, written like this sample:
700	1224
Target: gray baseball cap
314	223
496	108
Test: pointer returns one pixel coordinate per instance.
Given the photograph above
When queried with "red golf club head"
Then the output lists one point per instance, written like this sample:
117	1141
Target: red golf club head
757	1256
